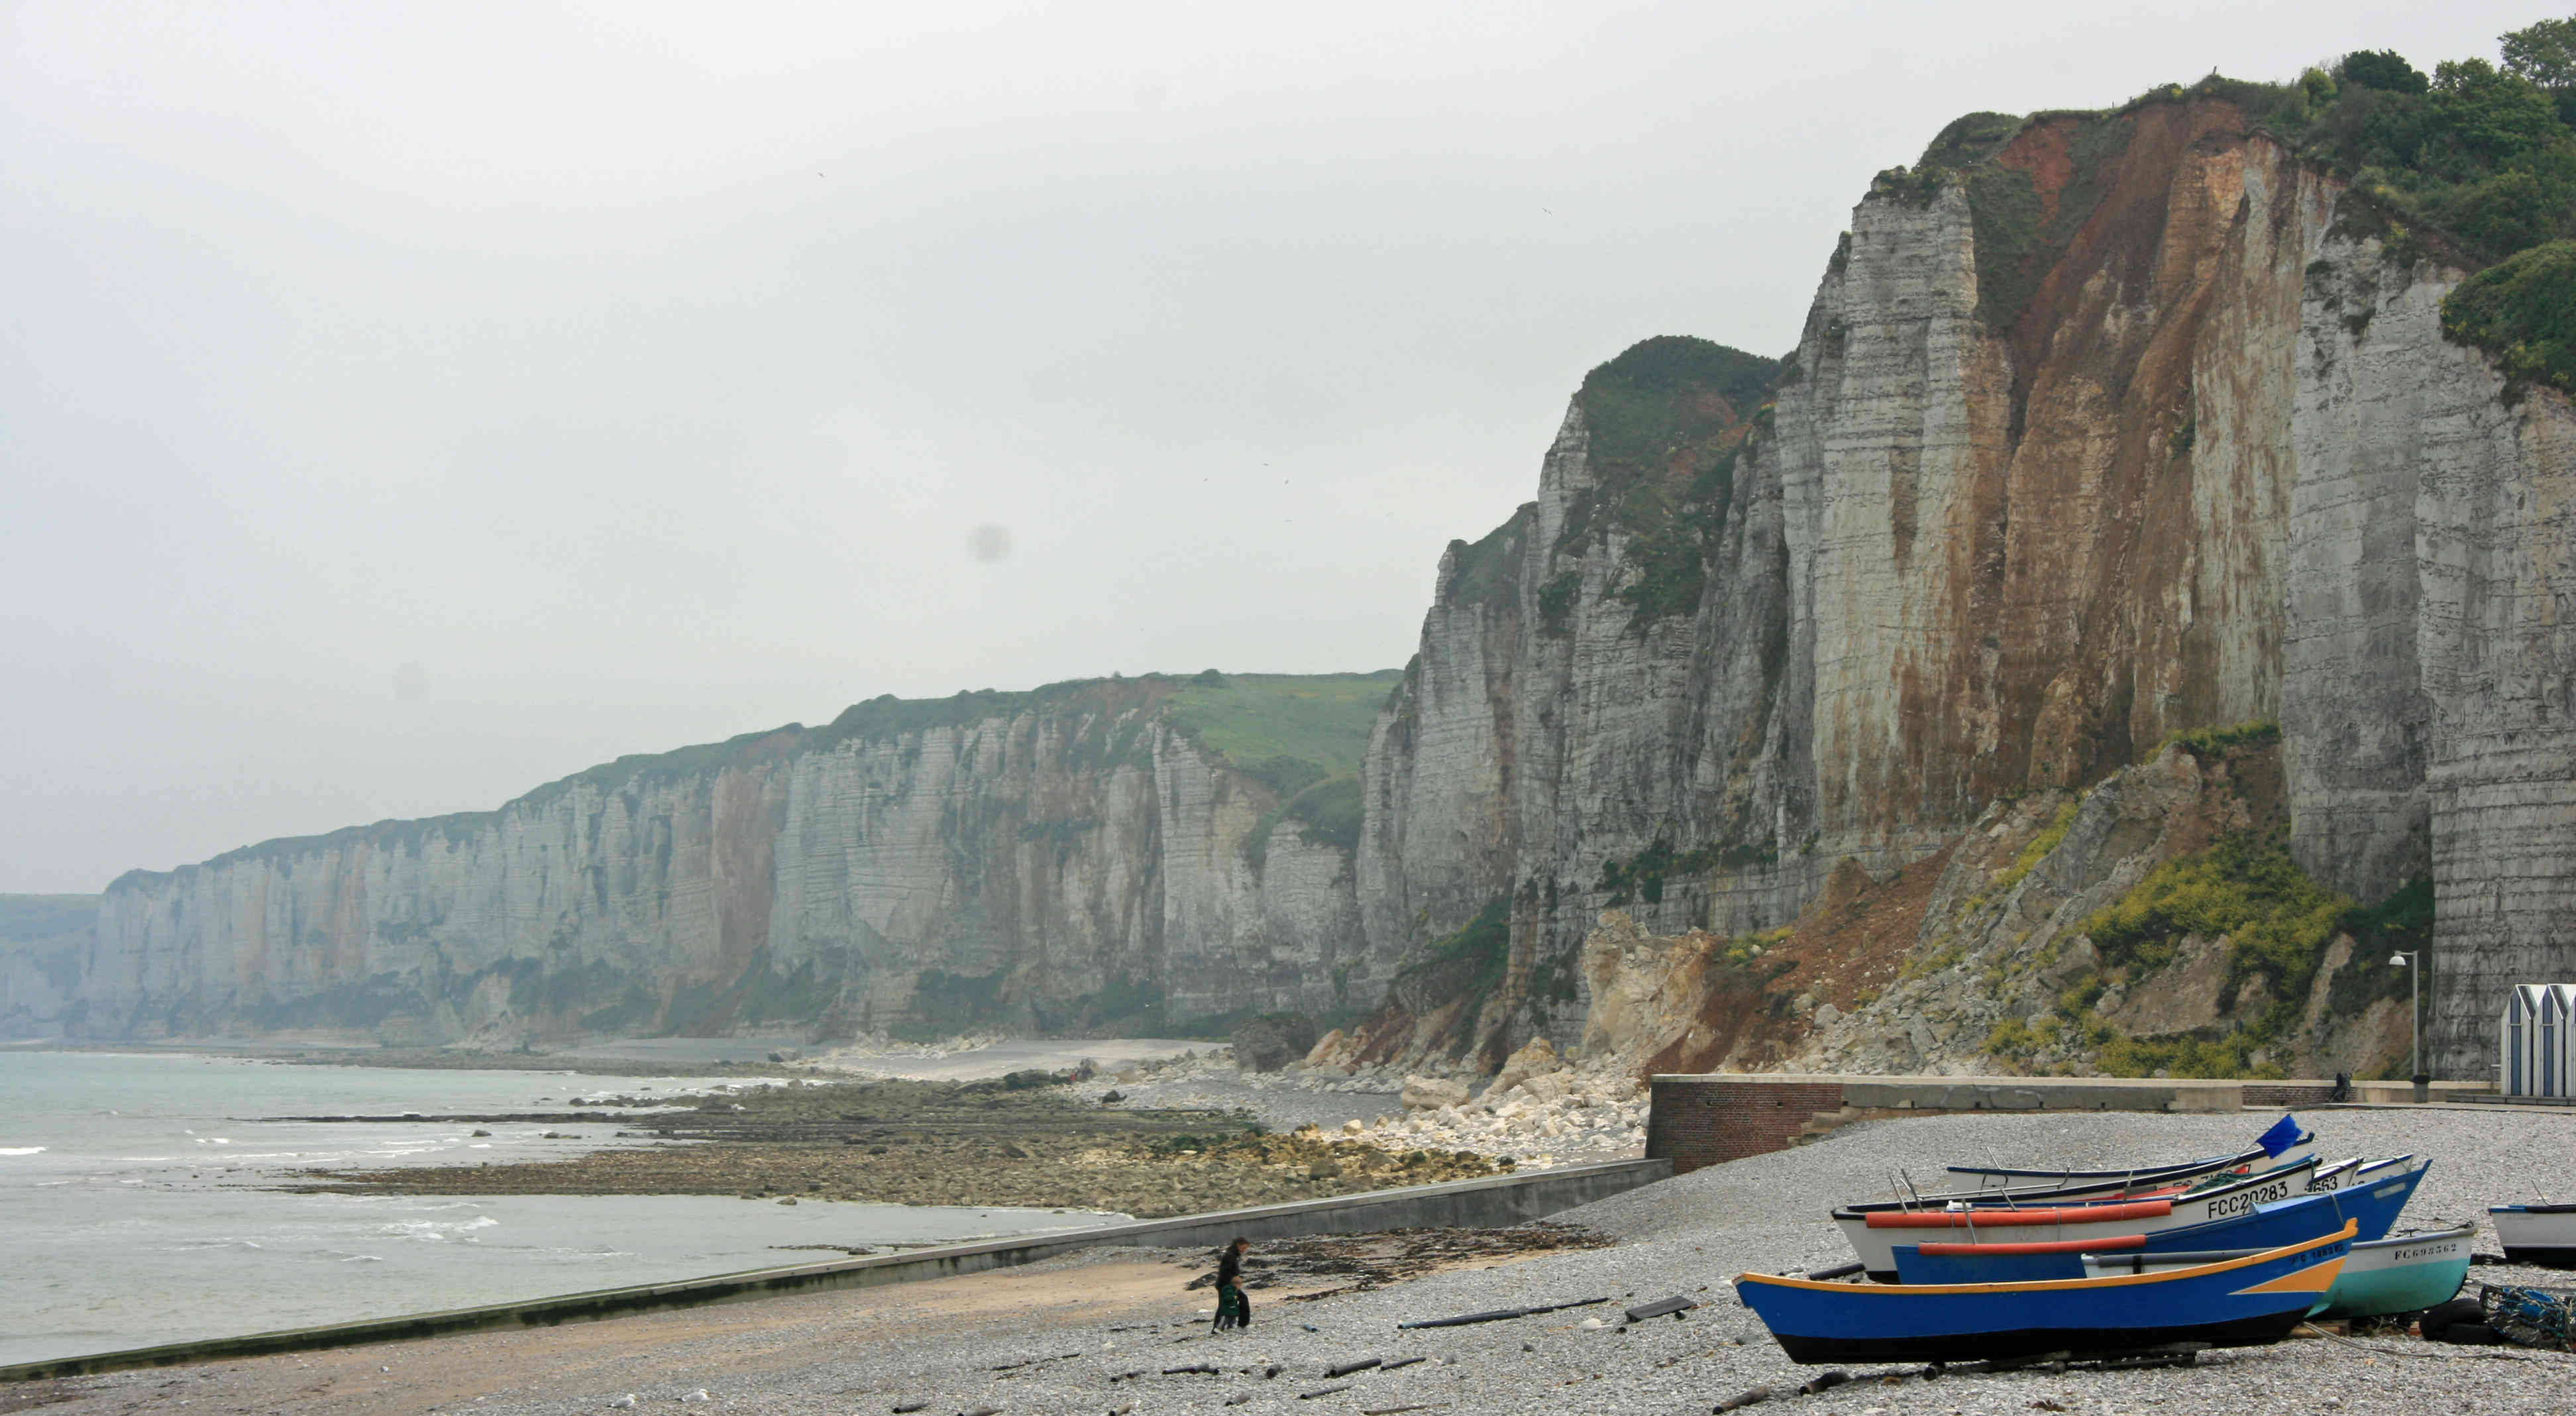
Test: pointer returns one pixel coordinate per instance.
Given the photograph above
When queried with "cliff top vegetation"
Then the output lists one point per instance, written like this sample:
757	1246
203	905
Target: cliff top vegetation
1662	425
2474	162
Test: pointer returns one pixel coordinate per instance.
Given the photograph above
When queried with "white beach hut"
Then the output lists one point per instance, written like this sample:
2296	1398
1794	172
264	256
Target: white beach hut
2539	1040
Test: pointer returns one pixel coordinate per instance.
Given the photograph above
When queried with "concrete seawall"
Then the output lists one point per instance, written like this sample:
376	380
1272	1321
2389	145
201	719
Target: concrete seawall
1709	1118
1494	1200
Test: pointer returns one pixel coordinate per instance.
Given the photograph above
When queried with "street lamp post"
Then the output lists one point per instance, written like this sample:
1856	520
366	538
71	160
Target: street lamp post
2406	959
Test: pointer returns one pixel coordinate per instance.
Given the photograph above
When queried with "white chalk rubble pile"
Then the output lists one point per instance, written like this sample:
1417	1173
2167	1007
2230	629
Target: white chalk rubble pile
1539	1109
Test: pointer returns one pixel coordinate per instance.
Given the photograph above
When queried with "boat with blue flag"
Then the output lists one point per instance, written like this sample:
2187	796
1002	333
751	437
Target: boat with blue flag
1876	1229
1985	1254
2285	1143
2238	1302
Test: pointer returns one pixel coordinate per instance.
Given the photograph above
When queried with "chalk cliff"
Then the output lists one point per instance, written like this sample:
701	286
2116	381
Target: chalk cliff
1057	860
2102	427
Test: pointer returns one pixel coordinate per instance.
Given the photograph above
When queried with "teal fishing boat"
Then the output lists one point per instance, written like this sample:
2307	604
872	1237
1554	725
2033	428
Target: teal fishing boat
2403	1273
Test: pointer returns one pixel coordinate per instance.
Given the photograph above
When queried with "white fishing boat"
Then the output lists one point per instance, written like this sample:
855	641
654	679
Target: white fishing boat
2536	1234
2284	1144
1875	1230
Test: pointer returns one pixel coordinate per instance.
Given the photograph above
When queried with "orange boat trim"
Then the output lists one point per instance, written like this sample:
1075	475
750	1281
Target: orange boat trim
2000	1218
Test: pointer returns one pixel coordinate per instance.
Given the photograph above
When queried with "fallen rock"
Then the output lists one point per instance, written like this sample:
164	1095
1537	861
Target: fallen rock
1432	1093
1537	1057
1272	1041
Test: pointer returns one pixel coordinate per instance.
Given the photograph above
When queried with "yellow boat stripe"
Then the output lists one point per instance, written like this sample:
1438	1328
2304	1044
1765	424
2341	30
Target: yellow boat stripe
2315	1278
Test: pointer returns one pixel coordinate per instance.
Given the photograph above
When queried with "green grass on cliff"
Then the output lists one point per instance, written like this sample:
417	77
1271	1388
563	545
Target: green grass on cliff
1301	734
1657	395
1322	720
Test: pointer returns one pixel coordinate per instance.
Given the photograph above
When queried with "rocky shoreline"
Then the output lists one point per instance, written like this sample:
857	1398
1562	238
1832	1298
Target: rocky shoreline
1024	1141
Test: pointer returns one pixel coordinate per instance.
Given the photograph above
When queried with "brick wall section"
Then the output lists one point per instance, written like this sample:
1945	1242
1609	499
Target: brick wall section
1699	1121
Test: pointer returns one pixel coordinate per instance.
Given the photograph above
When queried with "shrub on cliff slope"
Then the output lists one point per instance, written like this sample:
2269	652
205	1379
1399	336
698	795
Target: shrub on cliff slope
1662	392
2482	153
2523	309
2279	924
2476	162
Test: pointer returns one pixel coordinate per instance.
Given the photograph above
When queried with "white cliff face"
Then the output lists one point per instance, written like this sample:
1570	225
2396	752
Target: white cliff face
2432	670
1063	864
2216	465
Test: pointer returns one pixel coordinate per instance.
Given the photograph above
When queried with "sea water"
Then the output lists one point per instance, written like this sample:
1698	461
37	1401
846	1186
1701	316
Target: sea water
137	1202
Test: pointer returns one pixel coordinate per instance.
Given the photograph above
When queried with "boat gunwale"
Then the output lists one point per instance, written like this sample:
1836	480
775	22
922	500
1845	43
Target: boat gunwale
2344	1235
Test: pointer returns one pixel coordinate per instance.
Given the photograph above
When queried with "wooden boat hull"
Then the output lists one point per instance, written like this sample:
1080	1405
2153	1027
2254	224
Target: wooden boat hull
2536	1234
2237	1302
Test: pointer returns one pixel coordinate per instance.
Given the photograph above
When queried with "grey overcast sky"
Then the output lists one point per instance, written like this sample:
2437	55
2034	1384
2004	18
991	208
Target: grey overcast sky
402	405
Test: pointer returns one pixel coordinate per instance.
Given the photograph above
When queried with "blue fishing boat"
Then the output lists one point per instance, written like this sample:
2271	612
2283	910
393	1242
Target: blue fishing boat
2283	1144
2239	1302
2372	1203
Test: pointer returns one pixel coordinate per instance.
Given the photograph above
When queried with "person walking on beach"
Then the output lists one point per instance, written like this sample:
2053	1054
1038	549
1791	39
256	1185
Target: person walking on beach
1232	1308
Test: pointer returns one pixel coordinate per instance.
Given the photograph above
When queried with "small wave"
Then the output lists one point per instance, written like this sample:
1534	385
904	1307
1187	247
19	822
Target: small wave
22	1150
430	1231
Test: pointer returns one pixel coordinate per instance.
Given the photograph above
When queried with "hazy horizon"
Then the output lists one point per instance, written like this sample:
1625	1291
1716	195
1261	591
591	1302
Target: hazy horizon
407	407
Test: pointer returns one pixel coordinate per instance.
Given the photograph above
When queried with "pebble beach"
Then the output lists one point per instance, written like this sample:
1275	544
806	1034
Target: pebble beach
1066	1337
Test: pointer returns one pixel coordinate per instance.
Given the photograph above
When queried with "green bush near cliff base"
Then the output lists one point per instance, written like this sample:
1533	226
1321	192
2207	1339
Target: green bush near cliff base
2279	923
2184	1057
2244	887
2523	311
2211	742
1642	876
1463	967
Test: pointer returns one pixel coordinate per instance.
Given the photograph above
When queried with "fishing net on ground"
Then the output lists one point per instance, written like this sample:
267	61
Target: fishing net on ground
2531	1317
